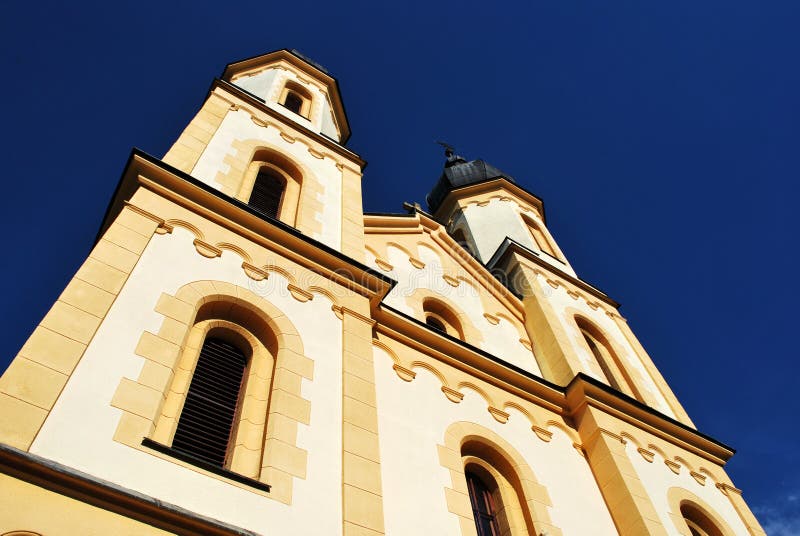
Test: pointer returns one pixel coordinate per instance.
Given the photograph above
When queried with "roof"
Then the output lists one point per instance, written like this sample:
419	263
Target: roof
457	173
305	64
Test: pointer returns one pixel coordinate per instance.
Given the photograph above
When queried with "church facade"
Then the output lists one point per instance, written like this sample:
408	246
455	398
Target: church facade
246	351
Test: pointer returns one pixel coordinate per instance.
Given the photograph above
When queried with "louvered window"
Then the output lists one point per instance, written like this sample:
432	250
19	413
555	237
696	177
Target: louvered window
483	508
206	423
267	192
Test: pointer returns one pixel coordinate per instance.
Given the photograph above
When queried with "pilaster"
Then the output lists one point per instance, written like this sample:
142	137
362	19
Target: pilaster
33	382
624	493
362	494
554	352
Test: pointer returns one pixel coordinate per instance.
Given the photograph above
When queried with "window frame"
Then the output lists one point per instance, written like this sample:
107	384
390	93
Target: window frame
303	94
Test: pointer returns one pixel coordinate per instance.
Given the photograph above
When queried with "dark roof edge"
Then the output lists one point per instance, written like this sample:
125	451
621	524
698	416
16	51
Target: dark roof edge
513	183
135	152
562	389
644	407
532	255
262	105
71	482
297	54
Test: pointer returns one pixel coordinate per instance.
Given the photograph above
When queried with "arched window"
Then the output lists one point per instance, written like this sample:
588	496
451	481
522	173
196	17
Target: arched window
206	423
435	323
540	237
271	185
461	238
483	508
267	192
496	494
698	522
614	371
296	98
440	317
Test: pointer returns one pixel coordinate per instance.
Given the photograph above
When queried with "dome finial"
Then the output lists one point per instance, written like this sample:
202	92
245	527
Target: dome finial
450	153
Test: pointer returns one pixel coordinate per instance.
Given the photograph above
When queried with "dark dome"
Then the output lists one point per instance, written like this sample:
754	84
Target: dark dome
457	173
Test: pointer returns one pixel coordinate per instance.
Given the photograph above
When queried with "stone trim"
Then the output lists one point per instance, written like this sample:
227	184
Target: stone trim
361	475
266	427
35	378
500	459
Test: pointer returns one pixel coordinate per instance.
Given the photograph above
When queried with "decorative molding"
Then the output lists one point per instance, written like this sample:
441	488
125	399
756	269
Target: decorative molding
498	414
572	294
164	228
405	374
527	344
648	455
383	265
674	467
259	122
316	154
452	395
541	433
416	263
593	305
612	435
254	272
452	281
727	489
288	138
299	294
491	318
143	212
701	478
552	283
205	249
357	315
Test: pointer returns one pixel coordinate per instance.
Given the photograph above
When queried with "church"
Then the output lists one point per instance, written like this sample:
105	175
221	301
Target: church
245	351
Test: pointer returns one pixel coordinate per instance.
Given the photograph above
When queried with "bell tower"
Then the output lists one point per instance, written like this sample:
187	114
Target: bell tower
482	206
271	134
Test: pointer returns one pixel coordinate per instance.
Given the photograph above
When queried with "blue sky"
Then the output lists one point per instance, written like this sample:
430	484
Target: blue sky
663	138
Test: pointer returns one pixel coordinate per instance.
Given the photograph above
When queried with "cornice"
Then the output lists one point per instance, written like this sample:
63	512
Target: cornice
569	402
109	496
419	221
509	247
585	391
302	64
145	171
490	185
478	363
262	107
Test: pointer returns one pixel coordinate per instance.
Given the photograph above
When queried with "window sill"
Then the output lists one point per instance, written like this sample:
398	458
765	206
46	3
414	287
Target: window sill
187	458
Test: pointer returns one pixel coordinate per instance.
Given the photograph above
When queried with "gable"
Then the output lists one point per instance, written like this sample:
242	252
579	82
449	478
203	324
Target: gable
429	265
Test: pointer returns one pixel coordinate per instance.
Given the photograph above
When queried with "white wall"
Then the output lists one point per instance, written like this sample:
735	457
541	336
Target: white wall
501	340
412	420
79	430
490	224
657	479
268	85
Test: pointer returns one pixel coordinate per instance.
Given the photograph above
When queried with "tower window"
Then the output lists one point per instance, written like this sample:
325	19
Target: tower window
206	423
699	523
296	98
442	318
293	102
483	509
461	238
540	238
435	323
267	192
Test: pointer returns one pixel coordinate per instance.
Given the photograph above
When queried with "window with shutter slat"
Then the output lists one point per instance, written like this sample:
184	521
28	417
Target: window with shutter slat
206	422
267	192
